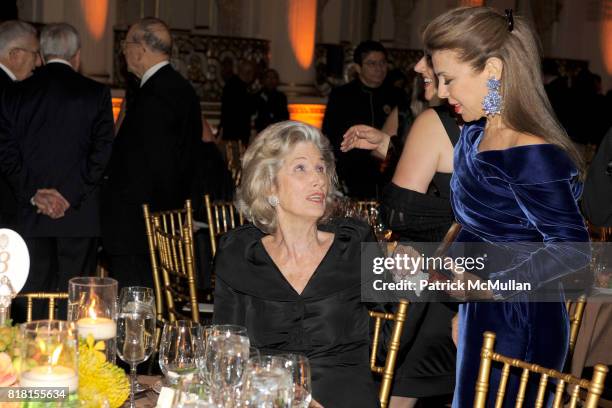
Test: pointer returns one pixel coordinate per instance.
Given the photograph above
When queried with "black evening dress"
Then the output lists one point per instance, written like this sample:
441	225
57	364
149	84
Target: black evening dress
327	322
426	362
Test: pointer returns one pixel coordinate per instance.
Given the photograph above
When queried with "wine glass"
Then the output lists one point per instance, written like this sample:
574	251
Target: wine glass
226	360
135	329
268	383
180	350
207	357
299	367
191	393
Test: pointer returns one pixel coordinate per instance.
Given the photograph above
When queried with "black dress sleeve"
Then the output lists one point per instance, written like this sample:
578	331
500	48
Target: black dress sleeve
229	305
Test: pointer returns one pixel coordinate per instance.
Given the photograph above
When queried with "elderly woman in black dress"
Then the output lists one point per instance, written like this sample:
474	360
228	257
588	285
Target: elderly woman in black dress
291	280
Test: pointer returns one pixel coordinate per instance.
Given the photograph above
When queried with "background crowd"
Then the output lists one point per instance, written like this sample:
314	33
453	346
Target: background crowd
72	183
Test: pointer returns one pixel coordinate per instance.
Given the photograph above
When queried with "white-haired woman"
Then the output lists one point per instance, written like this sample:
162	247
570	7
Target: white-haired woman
292	281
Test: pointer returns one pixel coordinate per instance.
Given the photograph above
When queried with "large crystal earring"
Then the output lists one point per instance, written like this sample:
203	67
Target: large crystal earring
492	104
273	200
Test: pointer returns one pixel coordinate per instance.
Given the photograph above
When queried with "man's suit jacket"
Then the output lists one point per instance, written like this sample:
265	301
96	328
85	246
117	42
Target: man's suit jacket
152	160
56	131
8	203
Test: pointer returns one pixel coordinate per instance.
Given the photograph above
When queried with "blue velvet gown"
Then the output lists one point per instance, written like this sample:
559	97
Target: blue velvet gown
521	194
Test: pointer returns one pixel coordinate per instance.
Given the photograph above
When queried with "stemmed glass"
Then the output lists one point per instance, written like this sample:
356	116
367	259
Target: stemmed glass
268	383
226	361
180	350
135	329
208	356
299	367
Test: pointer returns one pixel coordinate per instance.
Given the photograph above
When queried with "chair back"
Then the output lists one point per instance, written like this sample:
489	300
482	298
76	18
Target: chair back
398	318
234	149
51	297
575	309
170	236
594	387
221	216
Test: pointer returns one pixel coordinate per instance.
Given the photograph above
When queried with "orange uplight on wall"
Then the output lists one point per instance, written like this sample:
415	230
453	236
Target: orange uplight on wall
302	22
116	102
310	113
471	3
95	13
606	40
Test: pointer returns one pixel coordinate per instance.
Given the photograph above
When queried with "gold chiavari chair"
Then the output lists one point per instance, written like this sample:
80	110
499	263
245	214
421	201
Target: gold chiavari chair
368	210
170	237
221	216
599	234
51	297
575	309
234	149
594	388
399	317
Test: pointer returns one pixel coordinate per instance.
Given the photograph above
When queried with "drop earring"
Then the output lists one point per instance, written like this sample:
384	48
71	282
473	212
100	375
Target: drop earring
273	200
492	104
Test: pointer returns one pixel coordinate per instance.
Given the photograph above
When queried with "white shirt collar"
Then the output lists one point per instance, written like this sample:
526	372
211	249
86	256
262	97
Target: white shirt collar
60	61
151	71
8	72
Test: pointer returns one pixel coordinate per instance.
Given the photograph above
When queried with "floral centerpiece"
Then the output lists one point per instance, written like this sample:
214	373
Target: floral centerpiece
100	381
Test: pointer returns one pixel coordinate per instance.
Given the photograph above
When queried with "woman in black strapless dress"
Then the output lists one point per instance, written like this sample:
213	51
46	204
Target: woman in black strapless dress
416	206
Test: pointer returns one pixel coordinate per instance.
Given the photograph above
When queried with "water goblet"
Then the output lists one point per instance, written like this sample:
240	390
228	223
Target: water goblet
299	367
135	329
180	350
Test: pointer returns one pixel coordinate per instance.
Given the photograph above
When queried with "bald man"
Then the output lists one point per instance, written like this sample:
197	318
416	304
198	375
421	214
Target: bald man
152	159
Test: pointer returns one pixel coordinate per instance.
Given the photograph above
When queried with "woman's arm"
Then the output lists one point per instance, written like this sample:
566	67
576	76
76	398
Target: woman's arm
426	151
369	138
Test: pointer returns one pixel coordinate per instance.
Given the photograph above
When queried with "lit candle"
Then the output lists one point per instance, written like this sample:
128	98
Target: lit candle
101	328
50	376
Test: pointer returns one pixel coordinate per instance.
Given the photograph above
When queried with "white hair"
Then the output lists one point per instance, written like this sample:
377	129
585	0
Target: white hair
262	161
59	40
13	33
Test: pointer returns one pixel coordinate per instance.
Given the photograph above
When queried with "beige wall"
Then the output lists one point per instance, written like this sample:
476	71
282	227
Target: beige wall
576	35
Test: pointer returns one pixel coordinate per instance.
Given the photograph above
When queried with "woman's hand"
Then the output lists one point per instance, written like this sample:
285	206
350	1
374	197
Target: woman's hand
467	287
367	138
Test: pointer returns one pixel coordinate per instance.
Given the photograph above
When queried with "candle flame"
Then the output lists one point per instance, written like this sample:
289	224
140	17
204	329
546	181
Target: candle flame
42	346
92	308
56	354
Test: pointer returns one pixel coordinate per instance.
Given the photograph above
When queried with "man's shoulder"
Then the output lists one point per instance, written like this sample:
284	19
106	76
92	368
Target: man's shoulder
5	79
347	89
66	75
168	81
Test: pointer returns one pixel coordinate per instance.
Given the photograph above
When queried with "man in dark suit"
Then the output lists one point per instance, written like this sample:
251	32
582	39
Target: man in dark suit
152	160
366	100
56	132
18	57
238	104
271	103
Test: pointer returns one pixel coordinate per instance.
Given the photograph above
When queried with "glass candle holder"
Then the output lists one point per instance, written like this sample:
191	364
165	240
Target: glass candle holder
92	305
48	353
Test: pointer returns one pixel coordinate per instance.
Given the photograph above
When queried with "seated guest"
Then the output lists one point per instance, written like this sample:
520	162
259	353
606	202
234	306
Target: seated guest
291	280
271	103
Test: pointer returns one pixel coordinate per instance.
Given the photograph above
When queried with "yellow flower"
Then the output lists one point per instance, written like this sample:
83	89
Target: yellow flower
100	380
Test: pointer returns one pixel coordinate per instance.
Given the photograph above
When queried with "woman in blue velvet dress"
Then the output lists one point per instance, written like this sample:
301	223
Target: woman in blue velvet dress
516	181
